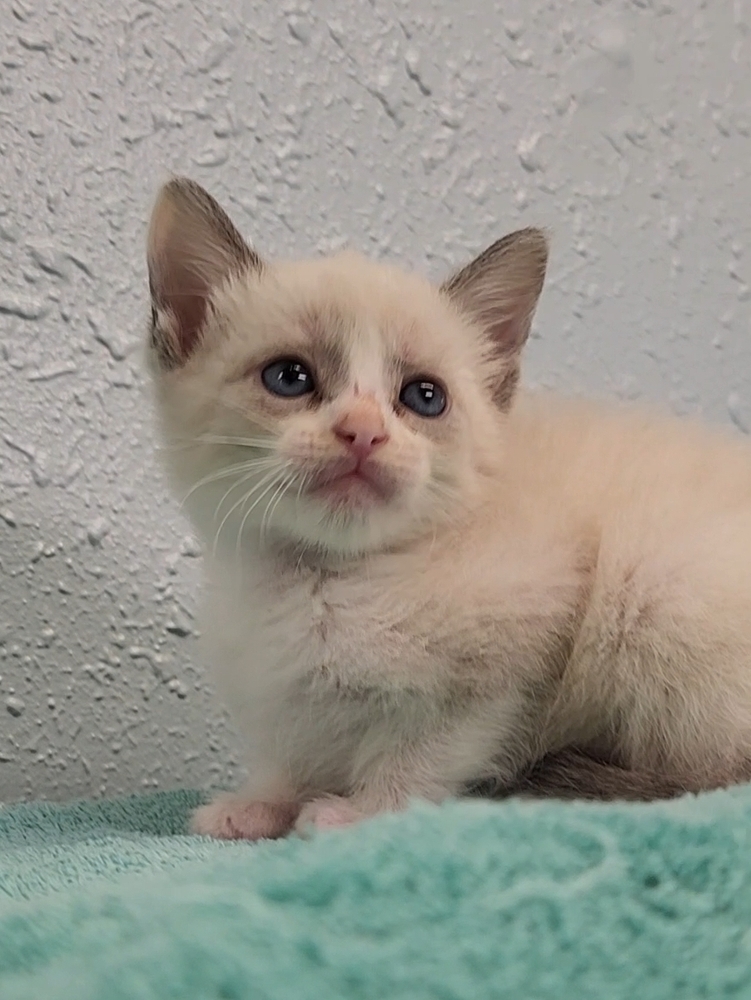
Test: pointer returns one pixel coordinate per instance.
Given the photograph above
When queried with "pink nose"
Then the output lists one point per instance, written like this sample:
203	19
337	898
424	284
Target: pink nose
361	429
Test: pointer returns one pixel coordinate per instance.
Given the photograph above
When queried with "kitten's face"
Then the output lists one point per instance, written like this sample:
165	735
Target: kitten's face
336	402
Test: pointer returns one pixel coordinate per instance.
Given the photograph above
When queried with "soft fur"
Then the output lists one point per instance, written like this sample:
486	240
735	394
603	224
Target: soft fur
517	577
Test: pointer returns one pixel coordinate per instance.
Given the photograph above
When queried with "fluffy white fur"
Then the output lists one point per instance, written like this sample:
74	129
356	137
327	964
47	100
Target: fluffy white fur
538	574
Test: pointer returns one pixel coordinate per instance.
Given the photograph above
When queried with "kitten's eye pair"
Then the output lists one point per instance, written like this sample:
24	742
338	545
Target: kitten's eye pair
290	378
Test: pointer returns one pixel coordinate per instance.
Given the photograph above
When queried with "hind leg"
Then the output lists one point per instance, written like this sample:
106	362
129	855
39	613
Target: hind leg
661	671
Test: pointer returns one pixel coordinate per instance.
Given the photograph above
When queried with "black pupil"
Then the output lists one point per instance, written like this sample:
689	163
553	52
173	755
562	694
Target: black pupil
424	397
288	378
291	374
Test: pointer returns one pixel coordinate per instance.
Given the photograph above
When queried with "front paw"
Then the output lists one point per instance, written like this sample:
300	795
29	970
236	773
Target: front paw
327	813
232	817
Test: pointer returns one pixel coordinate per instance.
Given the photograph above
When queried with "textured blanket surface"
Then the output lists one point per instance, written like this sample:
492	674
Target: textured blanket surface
472	900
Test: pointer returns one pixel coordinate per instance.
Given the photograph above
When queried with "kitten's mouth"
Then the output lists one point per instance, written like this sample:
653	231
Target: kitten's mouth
350	483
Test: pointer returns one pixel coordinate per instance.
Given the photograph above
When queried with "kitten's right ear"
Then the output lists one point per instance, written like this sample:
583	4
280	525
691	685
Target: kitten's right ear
193	248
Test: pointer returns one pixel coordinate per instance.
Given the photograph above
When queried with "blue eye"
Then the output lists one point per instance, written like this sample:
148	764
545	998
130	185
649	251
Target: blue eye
424	397
288	377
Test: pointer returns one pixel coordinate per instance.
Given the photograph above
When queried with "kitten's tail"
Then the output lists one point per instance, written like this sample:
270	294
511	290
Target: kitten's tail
572	774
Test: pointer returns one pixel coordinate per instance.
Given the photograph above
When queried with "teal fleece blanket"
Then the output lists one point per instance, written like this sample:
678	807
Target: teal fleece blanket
471	900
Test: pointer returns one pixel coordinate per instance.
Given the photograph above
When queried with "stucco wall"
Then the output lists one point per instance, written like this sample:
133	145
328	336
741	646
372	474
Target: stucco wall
417	130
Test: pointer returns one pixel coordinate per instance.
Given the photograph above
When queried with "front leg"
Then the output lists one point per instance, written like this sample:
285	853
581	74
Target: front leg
329	812
265	808
239	817
388	787
391	768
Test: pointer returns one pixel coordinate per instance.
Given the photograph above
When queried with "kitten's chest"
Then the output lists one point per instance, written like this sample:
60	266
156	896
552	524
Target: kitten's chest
394	628
347	633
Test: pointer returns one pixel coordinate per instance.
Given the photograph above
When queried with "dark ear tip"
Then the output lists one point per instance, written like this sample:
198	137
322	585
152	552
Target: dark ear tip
536	239
525	248
179	188
533	244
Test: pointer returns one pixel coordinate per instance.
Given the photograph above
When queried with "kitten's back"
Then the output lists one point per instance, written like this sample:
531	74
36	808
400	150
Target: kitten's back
620	462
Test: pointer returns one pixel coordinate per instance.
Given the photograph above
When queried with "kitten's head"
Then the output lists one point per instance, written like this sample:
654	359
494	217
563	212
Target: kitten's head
334	402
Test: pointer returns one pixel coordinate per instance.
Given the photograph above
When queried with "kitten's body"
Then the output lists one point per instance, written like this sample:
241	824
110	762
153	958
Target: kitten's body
578	576
607	594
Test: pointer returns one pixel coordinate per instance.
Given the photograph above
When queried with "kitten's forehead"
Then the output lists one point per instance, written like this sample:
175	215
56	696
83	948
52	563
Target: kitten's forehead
368	356
365	320
350	350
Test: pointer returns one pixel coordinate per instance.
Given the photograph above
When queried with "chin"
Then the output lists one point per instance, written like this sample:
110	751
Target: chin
352	522
351	497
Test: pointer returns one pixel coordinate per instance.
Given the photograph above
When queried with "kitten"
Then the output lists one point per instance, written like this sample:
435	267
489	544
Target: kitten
421	581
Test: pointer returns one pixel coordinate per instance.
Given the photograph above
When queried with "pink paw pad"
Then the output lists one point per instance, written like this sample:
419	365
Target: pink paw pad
231	817
327	814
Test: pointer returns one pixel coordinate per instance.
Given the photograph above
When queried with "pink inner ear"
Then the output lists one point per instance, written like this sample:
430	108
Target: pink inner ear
193	248
510	332
185	296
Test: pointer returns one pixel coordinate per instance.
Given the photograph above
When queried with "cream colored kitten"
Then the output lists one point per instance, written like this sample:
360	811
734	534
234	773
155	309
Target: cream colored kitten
420	581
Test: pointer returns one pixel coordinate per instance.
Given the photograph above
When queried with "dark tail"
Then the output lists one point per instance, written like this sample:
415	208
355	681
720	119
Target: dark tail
573	774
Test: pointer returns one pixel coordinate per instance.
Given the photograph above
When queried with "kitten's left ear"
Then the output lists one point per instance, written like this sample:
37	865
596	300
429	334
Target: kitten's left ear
499	292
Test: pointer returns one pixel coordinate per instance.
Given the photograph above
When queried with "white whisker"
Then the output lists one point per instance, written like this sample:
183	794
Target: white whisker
264	463
213	477
243	479
240	442
303	482
271	507
250	510
271	475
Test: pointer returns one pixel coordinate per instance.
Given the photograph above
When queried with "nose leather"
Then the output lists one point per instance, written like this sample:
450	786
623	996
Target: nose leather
361	427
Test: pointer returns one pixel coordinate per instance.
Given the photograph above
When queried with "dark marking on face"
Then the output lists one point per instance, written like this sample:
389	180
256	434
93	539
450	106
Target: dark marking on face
327	340
397	370
332	366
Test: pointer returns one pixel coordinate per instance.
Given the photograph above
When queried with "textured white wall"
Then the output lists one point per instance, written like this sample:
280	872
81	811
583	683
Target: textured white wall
418	130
